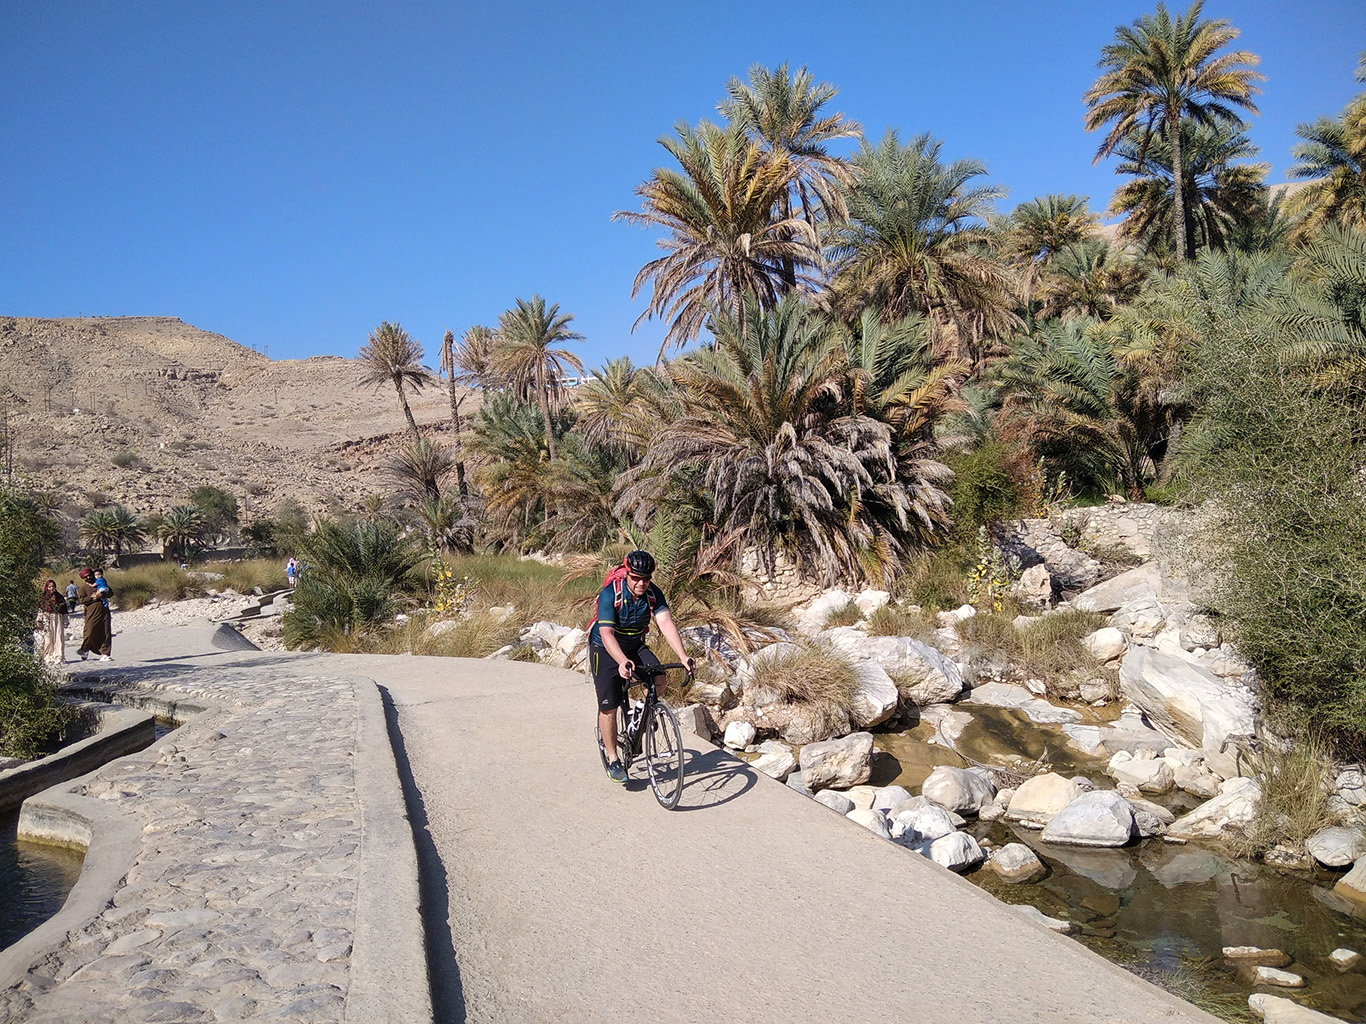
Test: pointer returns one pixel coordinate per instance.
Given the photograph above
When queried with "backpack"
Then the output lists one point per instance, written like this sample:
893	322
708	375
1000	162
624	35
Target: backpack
616	579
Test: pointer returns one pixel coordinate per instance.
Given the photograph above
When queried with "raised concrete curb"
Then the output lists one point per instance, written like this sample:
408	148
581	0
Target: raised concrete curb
121	731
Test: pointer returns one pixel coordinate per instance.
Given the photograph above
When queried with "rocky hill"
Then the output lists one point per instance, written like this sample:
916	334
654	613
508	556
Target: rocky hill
141	410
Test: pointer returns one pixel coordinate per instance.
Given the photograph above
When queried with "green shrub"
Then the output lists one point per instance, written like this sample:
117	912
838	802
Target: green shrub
846	616
33	720
245	576
984	490
164	581
938	579
900	620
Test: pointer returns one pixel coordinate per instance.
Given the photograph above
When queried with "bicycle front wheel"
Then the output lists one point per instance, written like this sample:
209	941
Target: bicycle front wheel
664	756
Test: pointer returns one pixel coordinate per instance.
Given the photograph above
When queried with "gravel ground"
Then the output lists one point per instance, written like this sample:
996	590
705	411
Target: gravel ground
264	633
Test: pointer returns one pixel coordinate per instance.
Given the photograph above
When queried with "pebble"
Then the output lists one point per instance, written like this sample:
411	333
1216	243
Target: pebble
1344	958
241	902
1274	976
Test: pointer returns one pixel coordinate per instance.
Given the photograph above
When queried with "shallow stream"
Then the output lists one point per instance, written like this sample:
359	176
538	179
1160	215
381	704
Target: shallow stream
34	881
1165	911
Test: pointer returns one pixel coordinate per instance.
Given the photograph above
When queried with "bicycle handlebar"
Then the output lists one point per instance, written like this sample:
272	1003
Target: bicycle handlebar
650	671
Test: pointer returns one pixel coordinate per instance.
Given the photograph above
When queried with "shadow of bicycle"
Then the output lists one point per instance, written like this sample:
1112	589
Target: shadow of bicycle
710	778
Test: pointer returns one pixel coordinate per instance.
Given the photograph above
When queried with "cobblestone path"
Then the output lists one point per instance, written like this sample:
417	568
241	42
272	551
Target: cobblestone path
242	901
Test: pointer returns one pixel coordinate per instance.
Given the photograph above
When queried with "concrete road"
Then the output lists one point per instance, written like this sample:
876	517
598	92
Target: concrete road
573	899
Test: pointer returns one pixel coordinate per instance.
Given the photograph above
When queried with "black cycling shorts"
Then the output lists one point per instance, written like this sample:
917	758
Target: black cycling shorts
607	677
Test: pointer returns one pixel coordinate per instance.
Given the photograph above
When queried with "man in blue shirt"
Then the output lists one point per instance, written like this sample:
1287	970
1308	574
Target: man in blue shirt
617	642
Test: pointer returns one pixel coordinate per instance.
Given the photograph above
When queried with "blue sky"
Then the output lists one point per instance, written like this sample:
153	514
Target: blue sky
290	174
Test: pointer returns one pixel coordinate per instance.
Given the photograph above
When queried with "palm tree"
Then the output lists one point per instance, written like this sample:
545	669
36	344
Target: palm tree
783	115
622	406
98	530
915	243
467	365
1323	312
1333	157
533	367
127	531
1220	196
1091	279
1034	231
391	356
1160	71
180	530
723	238
765	438
422	465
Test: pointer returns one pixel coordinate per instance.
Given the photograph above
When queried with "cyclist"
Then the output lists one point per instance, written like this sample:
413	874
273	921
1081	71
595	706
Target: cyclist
616	644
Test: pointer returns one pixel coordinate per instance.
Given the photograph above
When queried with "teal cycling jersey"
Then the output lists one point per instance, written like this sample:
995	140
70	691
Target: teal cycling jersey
631	621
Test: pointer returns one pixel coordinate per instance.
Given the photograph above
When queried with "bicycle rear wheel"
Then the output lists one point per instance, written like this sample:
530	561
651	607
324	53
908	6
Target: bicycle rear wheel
664	756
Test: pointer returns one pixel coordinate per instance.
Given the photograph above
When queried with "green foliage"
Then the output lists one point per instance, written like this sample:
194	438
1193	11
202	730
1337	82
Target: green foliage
984	490
161	580
20	560
1278	462
355	575
33	720
217	509
1294	773
937	579
846	616
291	526
901	620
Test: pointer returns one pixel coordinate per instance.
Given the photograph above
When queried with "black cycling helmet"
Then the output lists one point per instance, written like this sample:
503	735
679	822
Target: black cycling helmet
641	563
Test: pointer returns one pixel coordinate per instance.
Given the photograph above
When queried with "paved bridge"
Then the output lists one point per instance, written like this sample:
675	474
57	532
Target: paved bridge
276	873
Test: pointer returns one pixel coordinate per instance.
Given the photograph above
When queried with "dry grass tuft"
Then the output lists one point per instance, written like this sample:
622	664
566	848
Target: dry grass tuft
476	634
812	674
1296	779
134	587
1049	649
846	616
901	620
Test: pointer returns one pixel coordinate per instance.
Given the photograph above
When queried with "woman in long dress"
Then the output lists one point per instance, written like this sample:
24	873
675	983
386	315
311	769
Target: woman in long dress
52	623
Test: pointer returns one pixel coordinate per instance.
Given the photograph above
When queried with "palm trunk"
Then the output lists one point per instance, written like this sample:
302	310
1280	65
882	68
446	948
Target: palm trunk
549	428
412	423
1178	183
459	447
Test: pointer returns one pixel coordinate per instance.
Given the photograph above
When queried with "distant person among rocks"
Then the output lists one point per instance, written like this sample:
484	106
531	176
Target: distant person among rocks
52	623
71	597
98	636
292	571
617	642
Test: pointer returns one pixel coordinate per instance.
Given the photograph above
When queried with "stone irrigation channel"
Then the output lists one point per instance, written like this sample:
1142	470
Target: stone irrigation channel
372	839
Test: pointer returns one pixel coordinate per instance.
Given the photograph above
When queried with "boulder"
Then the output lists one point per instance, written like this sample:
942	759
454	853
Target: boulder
544	632
1337	847
1017	863
956	851
692	718
839	763
958	790
1096	691
802	723
1126	588
1279	1010
1008	695
1143	618
814	615
1278	977
873	821
1154	776
794	782
1099	818
739	735
835	801
1038	799
1190	705
571	641
870	601
917	824
1344	959
863	796
875	695
1105	644
1197	780
778	764
1256	956
1350	785
1034	588
1233	808
888	797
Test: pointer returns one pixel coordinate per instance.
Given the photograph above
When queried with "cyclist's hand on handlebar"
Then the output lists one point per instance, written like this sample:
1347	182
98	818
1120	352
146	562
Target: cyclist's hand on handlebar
691	665
627	668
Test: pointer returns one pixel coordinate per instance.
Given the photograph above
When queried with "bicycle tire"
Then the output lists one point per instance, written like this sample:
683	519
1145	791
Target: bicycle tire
664	756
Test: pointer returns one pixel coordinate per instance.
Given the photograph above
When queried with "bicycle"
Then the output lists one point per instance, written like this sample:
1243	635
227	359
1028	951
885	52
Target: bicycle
650	724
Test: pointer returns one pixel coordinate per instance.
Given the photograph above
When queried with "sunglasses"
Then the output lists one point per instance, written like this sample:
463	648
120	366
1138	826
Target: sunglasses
636	578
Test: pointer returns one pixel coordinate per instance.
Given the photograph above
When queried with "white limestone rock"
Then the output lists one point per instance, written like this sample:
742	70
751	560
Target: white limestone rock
1276	976
873	821
1034	588
862	795
1350	785
870	601
1105	644
1337	847
958	789
1190	705
778	764
1040	798
1234	808
875	695
739	735
815	613
923	823
1126	588
1017	863
837	802
888	797
1197	780
1279	1010
838	763
571	641
957	851
1151	776
1099	818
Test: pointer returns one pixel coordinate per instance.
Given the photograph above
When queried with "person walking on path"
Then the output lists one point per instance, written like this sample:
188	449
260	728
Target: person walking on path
292	571
52	623
98	637
71	597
